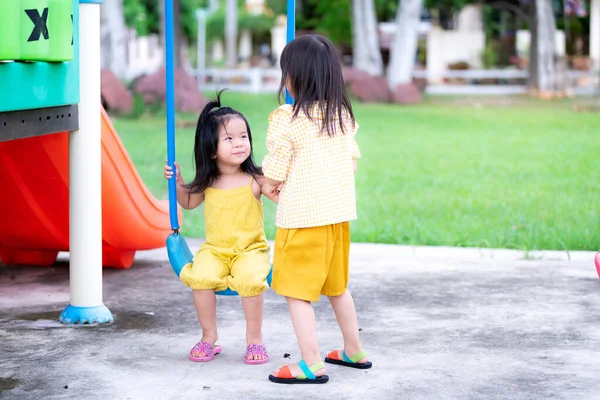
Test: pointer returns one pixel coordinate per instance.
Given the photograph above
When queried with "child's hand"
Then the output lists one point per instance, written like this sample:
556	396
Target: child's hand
271	191
169	172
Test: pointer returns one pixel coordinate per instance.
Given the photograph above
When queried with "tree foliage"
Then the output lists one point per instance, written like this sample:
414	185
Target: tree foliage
278	7
386	10
259	25
144	15
446	9
330	18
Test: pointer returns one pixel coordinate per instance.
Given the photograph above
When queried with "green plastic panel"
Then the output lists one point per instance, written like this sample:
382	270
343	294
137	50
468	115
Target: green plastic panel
60	24
29	85
36	30
10	30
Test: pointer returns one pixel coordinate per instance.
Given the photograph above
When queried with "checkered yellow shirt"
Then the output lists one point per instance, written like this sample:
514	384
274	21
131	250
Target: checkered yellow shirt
316	169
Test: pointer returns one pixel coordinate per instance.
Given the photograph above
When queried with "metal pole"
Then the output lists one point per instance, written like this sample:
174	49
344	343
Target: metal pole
291	20
290	34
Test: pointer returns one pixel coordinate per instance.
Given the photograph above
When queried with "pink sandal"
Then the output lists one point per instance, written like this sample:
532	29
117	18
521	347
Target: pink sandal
209	352
256	349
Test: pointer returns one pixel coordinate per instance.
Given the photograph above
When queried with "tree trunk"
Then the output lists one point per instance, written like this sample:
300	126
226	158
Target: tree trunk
161	17
533	52
177	34
231	22
595	33
404	47
366	50
544	62
113	34
359	46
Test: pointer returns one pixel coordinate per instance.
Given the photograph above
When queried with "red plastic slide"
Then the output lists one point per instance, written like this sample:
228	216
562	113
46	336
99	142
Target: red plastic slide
34	202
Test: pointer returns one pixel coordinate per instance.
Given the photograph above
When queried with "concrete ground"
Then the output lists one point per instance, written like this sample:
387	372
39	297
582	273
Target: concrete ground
438	323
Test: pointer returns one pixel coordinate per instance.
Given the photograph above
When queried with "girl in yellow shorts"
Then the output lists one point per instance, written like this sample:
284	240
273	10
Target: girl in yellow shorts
311	165
236	252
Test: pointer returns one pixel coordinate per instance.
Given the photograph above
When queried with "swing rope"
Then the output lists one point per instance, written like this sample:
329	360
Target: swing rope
170	100
290	33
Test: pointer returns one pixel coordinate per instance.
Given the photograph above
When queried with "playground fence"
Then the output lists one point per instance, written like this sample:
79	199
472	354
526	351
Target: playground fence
455	82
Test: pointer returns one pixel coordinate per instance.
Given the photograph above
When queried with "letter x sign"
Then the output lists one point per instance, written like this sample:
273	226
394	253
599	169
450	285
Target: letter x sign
40	24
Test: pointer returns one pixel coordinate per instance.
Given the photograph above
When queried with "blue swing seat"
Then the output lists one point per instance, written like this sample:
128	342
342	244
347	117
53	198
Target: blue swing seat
180	255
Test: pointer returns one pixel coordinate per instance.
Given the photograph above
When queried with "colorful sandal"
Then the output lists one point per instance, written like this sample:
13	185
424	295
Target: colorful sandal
352	362
209	352
284	375
255	349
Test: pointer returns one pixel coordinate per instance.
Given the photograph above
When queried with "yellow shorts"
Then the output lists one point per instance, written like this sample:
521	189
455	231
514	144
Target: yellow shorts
309	262
246	272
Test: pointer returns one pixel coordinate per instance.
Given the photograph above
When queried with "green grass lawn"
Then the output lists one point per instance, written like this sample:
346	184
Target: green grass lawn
524	177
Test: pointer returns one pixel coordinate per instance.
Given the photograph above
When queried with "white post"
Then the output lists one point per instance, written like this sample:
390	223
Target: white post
231	33
595	34
201	47
85	175
202	14
245	49
255	80
546	48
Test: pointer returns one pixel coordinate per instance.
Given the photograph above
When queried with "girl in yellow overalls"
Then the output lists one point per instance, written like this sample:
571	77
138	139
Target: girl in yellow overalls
236	251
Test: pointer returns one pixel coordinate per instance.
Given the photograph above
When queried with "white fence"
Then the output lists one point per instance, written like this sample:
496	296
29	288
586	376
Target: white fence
505	82
457	82
144	55
254	80
473	82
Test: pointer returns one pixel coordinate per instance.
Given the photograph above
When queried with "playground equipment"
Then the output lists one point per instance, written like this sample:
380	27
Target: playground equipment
68	183
597	262
177	248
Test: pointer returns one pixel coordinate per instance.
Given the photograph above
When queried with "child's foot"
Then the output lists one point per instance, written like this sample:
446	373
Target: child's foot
358	360
300	373
205	350
256	354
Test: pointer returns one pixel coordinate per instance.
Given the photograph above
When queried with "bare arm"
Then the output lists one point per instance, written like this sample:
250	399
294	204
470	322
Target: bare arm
354	148
269	190
272	182
186	200
277	163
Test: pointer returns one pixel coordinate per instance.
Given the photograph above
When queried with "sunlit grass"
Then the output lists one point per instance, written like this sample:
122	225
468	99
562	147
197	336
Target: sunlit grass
515	177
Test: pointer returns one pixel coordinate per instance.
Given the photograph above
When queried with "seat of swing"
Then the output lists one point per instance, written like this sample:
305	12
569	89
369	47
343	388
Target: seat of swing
180	254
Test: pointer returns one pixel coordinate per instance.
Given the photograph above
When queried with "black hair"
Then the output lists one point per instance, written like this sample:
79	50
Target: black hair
212	117
312	66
